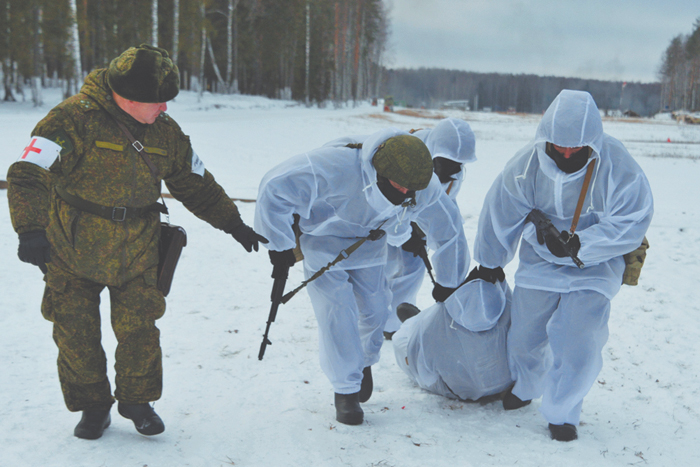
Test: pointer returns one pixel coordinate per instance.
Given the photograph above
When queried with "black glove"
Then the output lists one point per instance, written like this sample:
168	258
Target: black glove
35	249
281	262
415	244
375	234
247	237
557	249
487	274
440	293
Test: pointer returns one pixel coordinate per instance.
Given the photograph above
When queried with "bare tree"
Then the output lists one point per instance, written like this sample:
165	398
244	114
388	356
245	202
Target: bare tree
176	30
37	56
74	51
154	23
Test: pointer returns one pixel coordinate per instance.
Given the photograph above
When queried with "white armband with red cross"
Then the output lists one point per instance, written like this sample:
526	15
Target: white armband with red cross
40	151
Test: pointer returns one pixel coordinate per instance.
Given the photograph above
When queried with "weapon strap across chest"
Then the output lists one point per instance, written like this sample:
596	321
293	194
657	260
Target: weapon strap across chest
117	213
582	196
139	148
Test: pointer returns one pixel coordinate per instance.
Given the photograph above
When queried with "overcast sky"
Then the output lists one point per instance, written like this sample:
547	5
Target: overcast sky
599	39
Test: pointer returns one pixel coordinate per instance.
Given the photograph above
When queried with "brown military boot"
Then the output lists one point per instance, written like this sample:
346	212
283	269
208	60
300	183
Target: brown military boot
92	424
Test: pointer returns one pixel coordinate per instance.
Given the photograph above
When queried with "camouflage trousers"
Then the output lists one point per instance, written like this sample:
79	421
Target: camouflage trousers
72	304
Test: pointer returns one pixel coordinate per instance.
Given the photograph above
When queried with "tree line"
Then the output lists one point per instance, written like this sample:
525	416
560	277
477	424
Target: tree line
431	88
312	50
680	72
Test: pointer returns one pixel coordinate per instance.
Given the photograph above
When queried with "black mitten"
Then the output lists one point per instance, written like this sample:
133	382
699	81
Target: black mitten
415	244
556	247
375	234
281	262
246	236
487	274
34	248
440	293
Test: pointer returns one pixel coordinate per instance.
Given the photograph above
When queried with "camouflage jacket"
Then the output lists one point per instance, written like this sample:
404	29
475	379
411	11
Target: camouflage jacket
98	163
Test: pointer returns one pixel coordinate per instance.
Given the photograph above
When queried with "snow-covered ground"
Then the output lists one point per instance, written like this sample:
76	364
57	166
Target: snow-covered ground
222	407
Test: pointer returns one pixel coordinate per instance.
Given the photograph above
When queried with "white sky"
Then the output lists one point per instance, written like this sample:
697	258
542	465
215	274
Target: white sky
597	39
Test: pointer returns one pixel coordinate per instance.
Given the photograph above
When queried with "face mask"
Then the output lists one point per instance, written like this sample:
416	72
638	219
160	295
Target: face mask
575	162
445	169
392	194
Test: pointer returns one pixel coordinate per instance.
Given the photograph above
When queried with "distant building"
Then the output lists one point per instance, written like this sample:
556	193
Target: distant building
456	105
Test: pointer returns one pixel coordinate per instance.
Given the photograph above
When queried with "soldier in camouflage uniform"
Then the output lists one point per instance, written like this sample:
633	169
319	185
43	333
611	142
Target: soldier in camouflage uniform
84	203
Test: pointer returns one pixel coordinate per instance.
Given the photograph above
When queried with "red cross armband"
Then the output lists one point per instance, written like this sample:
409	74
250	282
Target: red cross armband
40	151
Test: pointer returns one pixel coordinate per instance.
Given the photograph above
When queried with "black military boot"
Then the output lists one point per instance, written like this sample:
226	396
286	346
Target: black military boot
92	424
348	410
565	432
406	310
513	402
146	420
367	384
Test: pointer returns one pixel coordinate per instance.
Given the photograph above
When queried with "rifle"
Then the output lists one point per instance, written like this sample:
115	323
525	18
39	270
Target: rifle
545	226
278	295
276	298
423	252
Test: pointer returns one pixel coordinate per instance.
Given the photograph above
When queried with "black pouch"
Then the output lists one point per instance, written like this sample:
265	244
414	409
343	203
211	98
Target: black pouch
173	239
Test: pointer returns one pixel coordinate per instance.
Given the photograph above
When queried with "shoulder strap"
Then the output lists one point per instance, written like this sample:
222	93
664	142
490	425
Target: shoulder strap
582	196
341	256
139	148
155	173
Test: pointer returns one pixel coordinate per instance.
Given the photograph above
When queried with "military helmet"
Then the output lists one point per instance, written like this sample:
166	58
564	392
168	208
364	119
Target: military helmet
405	160
144	74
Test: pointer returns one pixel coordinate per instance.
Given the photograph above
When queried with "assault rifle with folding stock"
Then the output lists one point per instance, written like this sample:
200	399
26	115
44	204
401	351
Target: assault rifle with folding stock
545	227
280	276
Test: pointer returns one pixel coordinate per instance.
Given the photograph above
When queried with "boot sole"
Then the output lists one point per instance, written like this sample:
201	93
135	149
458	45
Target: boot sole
149	430
92	435
350	419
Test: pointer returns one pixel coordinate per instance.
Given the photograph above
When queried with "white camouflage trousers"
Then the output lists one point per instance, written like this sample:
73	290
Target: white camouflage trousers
555	348
351	308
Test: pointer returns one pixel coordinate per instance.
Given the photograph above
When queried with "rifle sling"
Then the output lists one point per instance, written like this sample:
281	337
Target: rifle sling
582	197
341	256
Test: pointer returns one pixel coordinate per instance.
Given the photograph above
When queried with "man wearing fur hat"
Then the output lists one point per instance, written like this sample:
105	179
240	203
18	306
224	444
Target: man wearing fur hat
341	193
83	200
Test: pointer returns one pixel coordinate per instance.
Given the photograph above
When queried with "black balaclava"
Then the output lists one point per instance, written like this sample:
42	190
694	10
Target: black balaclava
574	163
445	168
392	194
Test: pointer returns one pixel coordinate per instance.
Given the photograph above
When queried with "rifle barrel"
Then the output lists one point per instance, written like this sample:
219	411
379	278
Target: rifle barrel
276	299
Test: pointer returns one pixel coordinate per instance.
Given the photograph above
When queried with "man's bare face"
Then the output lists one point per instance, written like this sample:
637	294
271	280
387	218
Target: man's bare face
144	112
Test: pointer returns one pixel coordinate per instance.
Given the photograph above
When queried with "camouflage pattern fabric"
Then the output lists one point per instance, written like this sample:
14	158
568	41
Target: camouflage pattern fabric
98	164
72	304
634	262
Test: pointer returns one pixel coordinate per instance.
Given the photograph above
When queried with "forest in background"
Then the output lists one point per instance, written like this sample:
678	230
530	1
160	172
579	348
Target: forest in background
312	50
431	88
680	71
308	50
678	88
